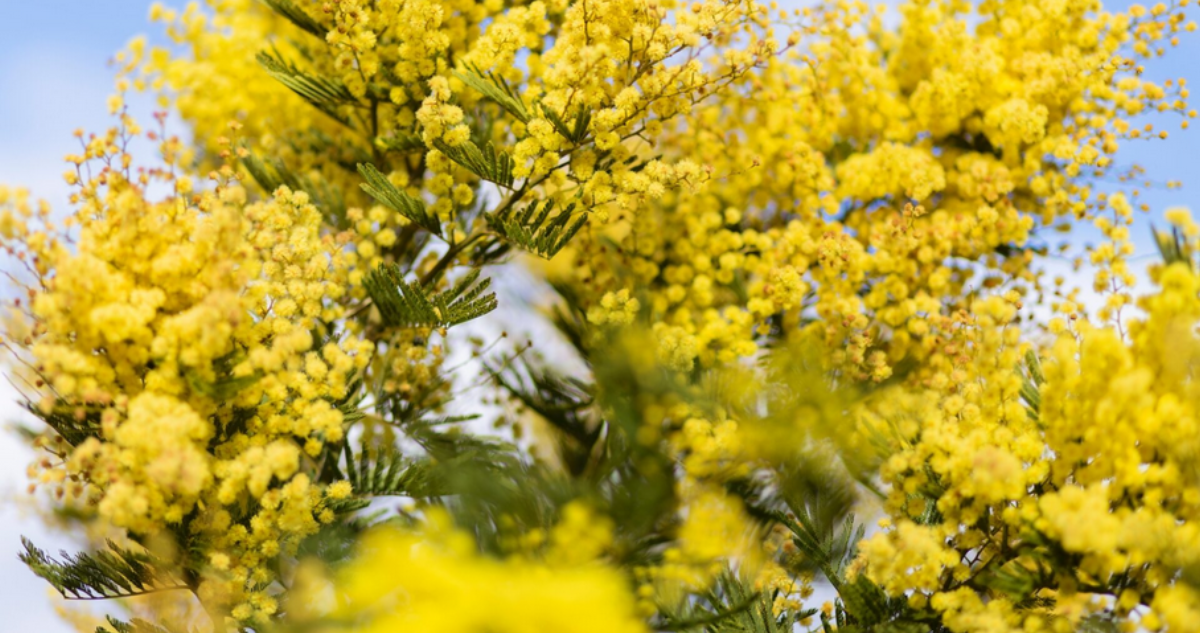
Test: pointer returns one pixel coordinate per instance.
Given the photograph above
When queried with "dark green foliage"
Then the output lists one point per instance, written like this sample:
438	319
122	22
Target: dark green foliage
324	94
223	388
860	602
730	606
1031	383
408	410
378	187
1173	247
1099	623
383	473
403	303
297	16
389	474
564	403
1014	579
534	230
830	550
115	572
813	484
577	133
136	625
63	420
929	515
496	89
400	142
271	174
487	163
498	492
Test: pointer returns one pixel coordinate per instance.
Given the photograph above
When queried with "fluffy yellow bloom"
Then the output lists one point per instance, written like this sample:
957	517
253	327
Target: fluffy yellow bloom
793	235
1094	463
433	581
171	342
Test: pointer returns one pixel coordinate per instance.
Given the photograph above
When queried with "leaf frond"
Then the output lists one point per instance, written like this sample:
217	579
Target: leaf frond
496	89
403	303
115	572
730	606
387	475
136	625
272	173
323	93
1031	383
297	16
533	229
391	196
1172	247
487	163
403	142
576	133
74	429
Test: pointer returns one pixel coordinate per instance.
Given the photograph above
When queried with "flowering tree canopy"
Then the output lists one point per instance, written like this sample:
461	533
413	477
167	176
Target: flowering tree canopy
785	264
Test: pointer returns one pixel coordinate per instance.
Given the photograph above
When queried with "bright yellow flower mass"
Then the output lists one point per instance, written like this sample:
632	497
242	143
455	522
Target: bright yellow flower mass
795	262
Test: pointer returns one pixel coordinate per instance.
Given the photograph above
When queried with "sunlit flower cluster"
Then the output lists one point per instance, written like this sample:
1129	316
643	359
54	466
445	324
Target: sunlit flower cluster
1091	456
174	344
776	238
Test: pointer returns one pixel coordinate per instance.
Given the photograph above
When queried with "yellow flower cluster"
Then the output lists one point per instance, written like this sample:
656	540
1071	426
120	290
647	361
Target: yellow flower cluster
433	579
174	343
1093	457
775	208
869	178
869	173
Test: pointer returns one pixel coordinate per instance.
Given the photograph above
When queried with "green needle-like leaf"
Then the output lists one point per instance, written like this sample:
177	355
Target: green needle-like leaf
403	303
378	187
535	231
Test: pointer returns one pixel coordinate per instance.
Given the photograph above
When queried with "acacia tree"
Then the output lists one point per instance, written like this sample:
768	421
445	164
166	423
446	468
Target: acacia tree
793	254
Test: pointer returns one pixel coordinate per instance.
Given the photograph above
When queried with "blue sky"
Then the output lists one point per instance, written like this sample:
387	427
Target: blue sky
54	78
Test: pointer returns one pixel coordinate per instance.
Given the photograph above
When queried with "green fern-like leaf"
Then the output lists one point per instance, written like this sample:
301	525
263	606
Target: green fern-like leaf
496	89
136	625
297	16
63	419
830	552
388	475
270	174
1172	247
115	626
222	389
1031	384
400	142
565	403
1014	579
730	606
351	404
487	163
324	94
577	133
1099	623
441	420
115	572
865	603
403	303
535	231
378	187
